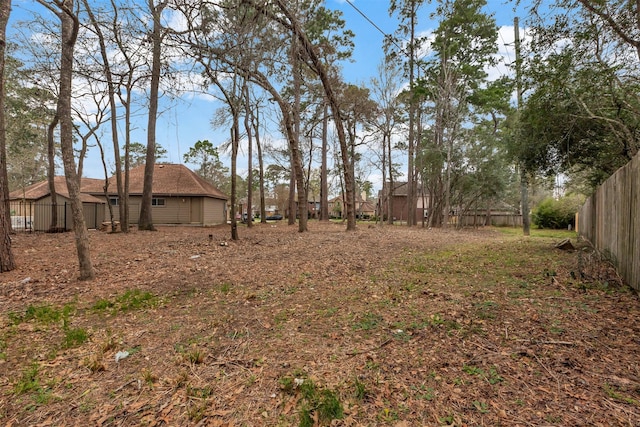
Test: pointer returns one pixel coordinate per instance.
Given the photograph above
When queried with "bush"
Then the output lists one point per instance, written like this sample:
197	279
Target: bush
557	214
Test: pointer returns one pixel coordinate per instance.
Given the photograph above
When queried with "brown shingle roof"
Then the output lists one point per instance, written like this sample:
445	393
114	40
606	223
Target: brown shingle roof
168	180
171	180
41	189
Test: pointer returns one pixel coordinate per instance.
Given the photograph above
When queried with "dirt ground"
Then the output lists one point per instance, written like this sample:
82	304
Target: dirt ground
382	326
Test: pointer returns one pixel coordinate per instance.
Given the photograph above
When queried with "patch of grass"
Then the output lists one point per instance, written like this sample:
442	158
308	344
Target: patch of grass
136	299
3	348
447	420
481	406
436	319
367	322
28	381
539	232
149	377
328	312
191	354
281	317
225	288
423	392
486	309
556	328
321	402
130	300
491	376
615	394
102	305
287	384
196	410
472	370
199	392
45	314
74	337
361	391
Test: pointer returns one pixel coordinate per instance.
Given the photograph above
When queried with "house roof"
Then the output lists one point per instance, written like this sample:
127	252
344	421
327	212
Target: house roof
40	190
170	180
400	188
367	207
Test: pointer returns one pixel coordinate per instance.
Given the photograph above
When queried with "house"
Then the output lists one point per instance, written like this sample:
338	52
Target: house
31	207
400	202
364	208
180	196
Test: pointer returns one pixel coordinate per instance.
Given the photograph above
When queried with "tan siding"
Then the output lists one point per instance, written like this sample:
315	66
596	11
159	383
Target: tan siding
176	210
134	210
213	212
196	210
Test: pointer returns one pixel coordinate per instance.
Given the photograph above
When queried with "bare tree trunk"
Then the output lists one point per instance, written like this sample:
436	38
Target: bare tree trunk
292	193
324	184
235	137
297	176
391	184
69	35
411	182
263	208
51	172
247	127
114	126
7	261
307	49
145	221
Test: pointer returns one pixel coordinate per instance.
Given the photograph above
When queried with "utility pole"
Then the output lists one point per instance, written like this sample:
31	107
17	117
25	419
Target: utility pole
524	179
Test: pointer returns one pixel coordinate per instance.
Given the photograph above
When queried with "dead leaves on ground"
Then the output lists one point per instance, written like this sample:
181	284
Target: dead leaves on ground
406	327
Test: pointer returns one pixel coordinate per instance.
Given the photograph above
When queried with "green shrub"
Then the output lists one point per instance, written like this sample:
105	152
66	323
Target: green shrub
557	214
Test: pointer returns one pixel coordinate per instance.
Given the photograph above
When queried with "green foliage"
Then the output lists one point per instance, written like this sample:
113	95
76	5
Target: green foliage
136	299
138	153
556	214
206	157
28	382
367	322
46	314
74	337
321	401
130	300
580	115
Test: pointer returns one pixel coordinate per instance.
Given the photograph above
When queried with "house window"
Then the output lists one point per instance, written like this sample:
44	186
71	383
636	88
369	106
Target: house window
157	202
113	201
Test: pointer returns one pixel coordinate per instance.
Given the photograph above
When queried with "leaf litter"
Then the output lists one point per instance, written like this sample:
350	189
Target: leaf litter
382	326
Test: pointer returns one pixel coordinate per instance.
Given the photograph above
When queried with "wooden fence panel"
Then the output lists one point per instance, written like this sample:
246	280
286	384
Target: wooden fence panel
610	218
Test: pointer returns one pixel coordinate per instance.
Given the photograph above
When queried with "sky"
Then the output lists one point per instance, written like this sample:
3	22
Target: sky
188	120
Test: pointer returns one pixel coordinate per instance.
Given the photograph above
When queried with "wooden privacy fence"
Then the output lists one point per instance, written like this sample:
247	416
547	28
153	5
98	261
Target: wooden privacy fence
610	220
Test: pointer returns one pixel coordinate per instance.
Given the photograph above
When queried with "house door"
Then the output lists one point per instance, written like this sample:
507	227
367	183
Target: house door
196	210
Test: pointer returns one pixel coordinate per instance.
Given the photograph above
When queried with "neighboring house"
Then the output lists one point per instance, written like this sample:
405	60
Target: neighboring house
180	196
271	206
31	207
400	202
364	208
